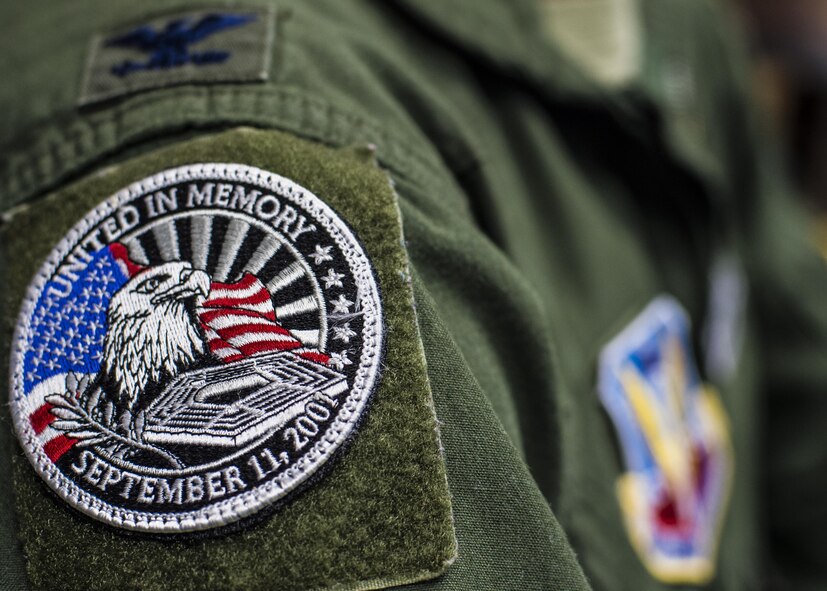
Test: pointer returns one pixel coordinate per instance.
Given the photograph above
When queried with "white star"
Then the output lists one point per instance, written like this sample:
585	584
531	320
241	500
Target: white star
340	360
343	333
31	376
332	279
321	255
341	305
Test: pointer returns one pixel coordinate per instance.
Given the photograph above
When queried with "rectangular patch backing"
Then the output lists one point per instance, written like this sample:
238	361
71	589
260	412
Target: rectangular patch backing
382	515
202	46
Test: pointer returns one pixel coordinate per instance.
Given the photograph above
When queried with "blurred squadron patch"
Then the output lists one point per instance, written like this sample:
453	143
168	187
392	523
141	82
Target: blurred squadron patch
674	437
195	349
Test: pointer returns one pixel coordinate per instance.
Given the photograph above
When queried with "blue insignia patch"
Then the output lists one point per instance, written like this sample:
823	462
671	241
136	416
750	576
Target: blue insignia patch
170	47
199	46
674	436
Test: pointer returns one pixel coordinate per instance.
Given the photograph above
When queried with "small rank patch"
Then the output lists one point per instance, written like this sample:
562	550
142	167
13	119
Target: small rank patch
674	436
195	349
193	47
724	329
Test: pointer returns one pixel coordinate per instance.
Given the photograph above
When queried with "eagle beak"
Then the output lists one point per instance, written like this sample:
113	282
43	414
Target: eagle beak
193	283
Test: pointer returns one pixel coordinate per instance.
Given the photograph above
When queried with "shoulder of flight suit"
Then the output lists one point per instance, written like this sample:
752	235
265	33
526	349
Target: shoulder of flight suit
361	74
541	213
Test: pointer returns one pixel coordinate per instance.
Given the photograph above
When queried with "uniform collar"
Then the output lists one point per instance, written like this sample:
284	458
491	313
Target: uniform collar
507	35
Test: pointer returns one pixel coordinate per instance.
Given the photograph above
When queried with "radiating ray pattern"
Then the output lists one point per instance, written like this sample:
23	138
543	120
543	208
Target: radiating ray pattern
246	247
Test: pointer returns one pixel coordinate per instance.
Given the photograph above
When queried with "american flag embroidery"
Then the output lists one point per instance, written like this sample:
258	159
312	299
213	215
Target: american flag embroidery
239	320
196	324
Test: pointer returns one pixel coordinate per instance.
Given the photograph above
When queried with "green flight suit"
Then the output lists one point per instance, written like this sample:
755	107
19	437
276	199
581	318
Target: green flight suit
542	213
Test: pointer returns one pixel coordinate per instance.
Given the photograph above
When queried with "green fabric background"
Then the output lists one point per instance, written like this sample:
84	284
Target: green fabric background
383	513
541	214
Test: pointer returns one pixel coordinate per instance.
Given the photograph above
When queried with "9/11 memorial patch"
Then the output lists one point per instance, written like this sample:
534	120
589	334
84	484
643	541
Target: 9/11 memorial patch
195	349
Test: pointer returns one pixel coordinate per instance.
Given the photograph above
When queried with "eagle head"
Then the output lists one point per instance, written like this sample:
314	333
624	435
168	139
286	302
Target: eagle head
152	331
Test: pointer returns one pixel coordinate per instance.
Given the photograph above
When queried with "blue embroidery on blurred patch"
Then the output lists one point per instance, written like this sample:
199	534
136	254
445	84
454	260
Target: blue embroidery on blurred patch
674	435
170	47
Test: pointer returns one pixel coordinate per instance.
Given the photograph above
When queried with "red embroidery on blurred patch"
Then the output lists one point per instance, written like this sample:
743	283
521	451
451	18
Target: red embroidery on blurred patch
674	435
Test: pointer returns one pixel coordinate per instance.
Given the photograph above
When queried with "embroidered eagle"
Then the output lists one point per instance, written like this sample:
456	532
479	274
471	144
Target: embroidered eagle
152	330
170	317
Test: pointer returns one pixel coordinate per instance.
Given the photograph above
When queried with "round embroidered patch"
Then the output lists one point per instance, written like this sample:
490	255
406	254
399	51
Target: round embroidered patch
195	349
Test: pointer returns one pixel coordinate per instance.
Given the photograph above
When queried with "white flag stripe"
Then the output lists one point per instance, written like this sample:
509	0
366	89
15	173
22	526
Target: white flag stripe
248	338
53	385
230	320
211	334
225	352
262	308
310	338
305	304
288	276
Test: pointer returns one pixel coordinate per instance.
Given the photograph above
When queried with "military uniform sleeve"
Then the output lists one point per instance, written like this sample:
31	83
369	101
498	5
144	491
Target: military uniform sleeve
153	213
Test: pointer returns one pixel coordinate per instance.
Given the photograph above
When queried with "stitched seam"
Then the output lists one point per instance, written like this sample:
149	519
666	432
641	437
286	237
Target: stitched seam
78	141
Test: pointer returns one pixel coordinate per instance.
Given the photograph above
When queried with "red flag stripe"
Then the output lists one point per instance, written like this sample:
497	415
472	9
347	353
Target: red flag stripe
316	356
240	321
58	446
267	346
253	301
42	418
228	355
243	290
242	329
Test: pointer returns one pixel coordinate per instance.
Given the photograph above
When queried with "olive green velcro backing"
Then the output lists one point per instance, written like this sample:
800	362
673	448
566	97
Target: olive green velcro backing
380	517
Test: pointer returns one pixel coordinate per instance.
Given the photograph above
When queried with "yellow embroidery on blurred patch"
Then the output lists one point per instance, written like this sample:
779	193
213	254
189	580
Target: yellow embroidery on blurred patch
674	435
